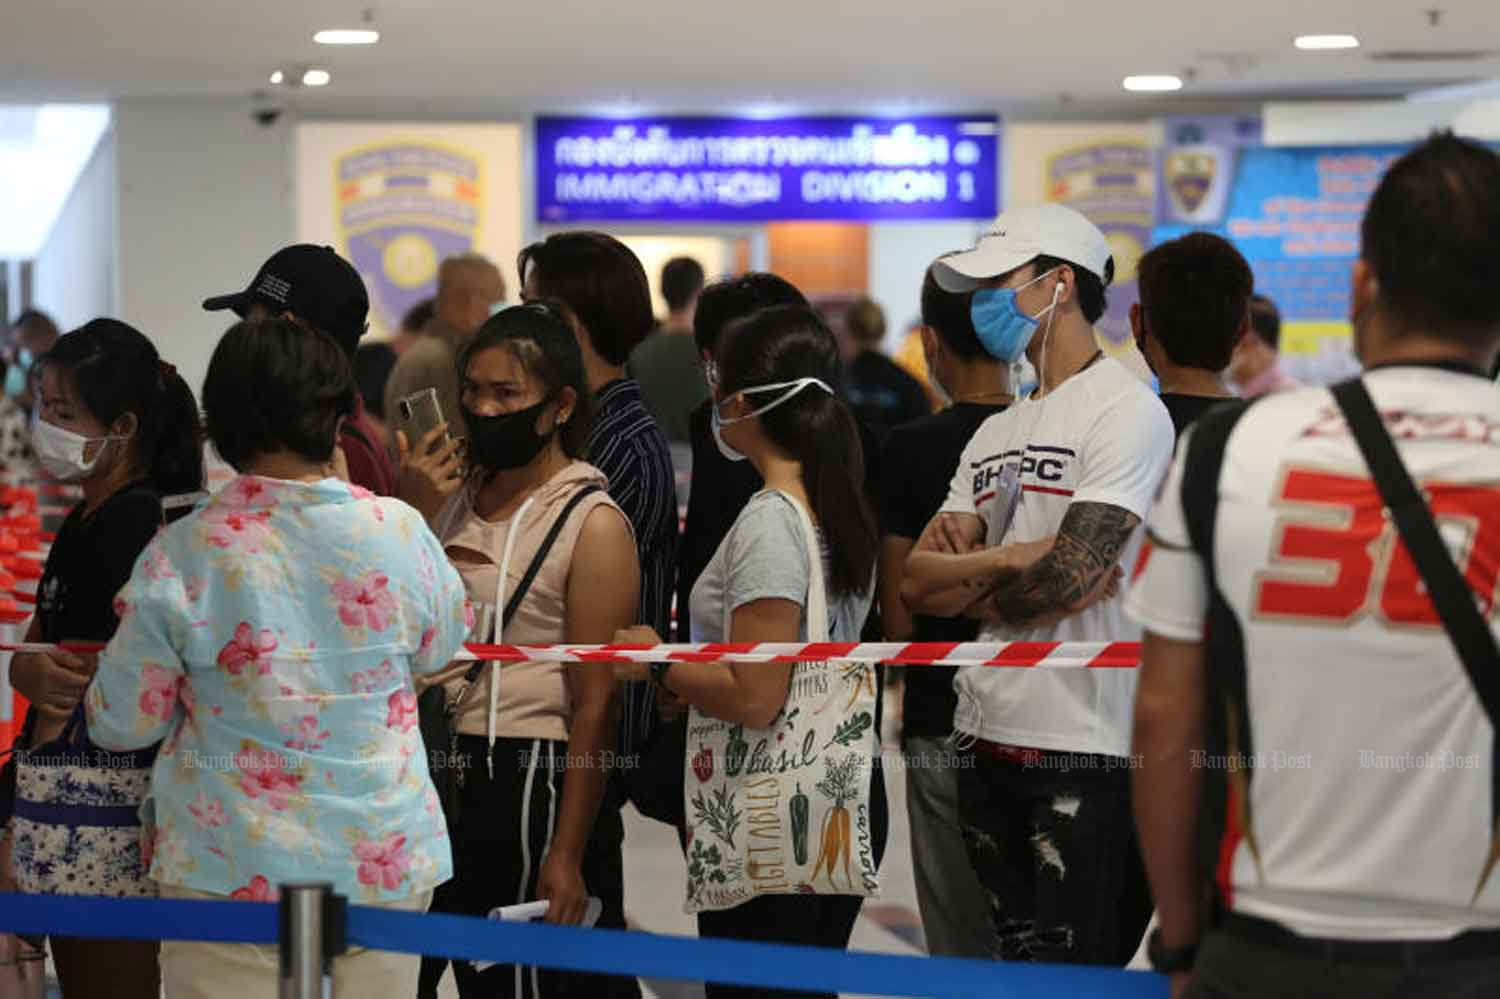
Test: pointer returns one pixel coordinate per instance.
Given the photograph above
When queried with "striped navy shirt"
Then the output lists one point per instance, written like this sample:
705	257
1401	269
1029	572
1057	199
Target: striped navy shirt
630	449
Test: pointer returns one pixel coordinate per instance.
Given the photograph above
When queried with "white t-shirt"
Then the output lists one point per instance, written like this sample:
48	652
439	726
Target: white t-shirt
1099	437
1370	798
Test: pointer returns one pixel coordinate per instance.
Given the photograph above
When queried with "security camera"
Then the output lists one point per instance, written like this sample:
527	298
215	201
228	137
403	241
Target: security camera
265	110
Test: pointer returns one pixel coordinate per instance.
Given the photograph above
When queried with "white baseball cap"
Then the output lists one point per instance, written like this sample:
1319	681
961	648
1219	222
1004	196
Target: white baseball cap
1018	237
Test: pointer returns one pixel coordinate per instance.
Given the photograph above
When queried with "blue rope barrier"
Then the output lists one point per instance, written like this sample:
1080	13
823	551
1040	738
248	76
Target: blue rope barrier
574	949
735	962
138	918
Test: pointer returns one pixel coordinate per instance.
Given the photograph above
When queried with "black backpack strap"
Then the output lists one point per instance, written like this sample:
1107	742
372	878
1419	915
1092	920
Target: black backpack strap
1467	629
1451	596
1226	714
514	603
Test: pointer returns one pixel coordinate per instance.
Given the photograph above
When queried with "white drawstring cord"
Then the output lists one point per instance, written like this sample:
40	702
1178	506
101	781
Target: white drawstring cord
510	544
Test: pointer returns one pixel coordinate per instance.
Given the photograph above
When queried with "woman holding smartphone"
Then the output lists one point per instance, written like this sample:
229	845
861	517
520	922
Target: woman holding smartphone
534	738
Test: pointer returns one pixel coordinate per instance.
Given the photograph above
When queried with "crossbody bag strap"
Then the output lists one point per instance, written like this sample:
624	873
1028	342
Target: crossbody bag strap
1451	596
1466	627
817	592
513	603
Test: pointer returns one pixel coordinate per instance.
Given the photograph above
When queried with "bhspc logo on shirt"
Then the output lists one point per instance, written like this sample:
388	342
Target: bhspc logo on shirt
1040	467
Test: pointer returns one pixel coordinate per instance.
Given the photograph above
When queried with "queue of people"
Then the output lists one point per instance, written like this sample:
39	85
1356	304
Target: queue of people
302	626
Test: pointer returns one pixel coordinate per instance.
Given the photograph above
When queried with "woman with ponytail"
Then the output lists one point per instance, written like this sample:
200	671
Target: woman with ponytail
774	406
116	420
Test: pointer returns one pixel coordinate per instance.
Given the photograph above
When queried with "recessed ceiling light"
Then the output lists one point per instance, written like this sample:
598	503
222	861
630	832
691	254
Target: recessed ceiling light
347	36
316	78
1153	84
1326	43
277	78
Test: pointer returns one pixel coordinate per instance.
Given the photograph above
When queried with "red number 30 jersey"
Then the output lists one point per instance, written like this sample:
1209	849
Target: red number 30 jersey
1370	803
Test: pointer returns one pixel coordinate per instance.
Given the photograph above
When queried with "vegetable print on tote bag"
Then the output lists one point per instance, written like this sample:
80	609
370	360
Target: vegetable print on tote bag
786	809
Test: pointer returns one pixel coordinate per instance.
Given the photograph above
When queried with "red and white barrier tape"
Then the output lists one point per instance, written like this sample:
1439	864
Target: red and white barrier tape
1047	655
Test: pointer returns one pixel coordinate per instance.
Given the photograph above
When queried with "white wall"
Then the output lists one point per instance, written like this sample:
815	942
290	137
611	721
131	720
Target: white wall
1346	123
73	274
900	253
205	196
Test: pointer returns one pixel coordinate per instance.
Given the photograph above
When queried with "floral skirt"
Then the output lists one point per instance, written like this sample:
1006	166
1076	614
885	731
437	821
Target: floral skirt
76	830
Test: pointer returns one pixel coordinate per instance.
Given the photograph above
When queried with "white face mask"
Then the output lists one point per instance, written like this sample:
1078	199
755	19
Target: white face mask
718	422
792	387
60	451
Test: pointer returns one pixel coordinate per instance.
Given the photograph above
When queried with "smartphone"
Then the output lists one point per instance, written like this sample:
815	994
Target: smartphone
419	413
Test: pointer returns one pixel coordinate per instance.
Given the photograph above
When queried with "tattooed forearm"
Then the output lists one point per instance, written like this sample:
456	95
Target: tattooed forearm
1089	544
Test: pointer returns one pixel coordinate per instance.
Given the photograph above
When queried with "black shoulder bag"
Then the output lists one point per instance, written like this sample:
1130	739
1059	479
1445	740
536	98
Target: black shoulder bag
1451	596
437	706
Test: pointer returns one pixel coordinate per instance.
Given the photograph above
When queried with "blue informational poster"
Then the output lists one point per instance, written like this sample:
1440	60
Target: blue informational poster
694	170
1295	213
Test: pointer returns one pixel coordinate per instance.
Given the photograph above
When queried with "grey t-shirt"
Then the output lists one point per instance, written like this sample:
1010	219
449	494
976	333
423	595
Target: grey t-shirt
765	556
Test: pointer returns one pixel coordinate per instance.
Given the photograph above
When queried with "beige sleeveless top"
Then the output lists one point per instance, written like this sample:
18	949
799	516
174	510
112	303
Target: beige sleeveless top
533	700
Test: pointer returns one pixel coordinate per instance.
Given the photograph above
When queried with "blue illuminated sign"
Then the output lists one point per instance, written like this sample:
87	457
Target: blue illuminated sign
752	170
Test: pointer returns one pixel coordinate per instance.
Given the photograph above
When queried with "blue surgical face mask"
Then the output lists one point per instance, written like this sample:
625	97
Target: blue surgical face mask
15	375
1003	329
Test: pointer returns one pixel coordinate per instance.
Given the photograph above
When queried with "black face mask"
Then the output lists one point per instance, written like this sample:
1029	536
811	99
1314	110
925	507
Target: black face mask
509	440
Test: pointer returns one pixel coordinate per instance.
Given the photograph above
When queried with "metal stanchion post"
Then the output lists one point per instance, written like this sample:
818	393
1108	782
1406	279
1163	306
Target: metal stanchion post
312	932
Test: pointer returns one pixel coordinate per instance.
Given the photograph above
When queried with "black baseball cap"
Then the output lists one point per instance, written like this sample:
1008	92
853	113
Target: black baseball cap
314	284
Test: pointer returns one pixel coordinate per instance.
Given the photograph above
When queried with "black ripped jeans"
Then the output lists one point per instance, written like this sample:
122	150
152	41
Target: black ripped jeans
1052	838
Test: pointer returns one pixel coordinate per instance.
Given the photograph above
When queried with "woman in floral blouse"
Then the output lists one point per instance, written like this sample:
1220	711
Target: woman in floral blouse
271	639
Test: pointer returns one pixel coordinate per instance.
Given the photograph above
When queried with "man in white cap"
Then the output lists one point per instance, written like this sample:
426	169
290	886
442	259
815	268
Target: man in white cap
1042	515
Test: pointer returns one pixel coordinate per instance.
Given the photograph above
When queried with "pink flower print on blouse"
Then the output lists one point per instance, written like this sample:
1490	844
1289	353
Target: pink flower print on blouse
208	814
262	774
371	680
401	711
158	691
306	734
157	566
248	491
248	649
382	861
237	529
360	492
194	587
258	890
365	601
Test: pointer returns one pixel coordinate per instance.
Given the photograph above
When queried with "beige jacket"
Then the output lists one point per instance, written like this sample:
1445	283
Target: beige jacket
532	701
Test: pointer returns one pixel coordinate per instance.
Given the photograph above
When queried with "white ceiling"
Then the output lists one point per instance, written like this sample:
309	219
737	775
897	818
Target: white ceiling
779	55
